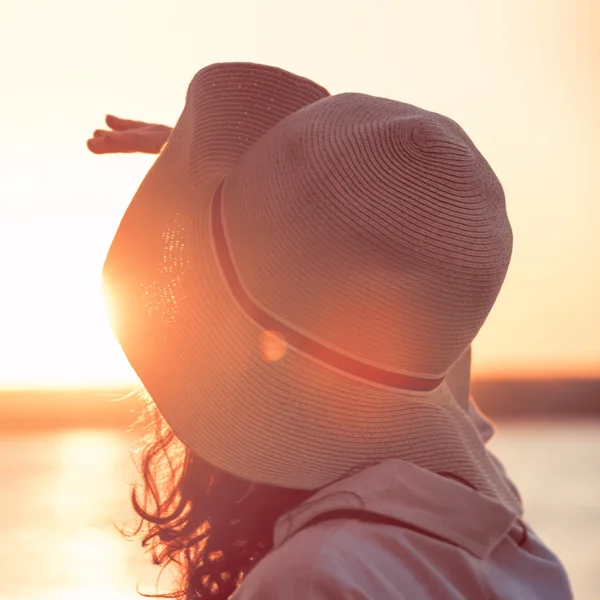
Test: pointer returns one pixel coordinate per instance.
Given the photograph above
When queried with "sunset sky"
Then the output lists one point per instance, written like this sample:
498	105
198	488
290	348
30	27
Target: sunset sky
521	76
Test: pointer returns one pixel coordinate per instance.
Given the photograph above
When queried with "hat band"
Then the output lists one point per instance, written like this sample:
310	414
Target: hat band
292	337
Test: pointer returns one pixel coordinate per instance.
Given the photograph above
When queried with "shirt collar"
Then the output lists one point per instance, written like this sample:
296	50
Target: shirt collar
401	490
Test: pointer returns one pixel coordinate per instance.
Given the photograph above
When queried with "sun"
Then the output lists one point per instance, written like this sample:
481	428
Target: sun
54	325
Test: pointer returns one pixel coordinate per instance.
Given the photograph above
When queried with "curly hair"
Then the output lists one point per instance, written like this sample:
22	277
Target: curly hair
212	526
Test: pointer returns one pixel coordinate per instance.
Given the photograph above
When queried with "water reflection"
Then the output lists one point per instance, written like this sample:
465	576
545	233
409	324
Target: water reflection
82	501
62	497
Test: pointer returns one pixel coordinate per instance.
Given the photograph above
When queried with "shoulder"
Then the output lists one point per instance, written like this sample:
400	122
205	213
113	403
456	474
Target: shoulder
299	569
342	559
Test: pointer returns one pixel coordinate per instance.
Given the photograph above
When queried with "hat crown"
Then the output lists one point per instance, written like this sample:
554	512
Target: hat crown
356	193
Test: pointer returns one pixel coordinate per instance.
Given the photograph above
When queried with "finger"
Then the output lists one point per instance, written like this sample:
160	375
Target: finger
119	124
110	144
100	146
96	146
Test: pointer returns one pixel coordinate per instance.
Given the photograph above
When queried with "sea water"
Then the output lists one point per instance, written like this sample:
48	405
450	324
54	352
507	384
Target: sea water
64	494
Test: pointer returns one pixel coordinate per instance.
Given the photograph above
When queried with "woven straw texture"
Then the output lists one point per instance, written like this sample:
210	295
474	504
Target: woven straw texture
371	226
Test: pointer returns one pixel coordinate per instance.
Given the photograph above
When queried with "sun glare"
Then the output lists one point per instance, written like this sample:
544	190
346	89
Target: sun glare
53	315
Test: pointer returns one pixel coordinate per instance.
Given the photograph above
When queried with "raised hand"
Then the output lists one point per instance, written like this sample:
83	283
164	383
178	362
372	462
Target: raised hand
125	135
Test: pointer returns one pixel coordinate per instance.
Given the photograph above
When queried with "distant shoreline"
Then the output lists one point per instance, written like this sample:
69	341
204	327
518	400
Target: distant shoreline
502	399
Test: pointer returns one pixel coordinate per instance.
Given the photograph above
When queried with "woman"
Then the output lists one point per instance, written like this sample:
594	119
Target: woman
297	283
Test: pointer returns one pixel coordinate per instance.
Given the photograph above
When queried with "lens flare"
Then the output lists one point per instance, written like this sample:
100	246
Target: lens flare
272	345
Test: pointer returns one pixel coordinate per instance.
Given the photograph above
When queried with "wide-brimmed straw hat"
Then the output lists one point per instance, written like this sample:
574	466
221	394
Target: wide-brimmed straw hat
298	273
